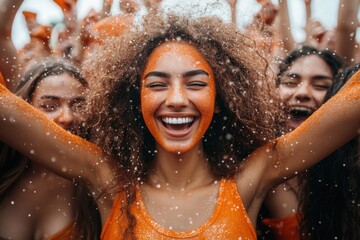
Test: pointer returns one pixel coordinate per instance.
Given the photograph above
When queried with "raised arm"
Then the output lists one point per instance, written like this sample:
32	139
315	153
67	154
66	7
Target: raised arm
26	129
8	62
346	29
285	27
232	4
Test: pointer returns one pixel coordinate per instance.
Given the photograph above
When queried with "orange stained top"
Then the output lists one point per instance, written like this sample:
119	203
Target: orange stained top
112	26
36	30
68	233
64	4
2	80
286	228
228	221
29	15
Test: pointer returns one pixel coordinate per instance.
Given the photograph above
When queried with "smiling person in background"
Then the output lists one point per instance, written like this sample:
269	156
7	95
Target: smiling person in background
303	80
35	203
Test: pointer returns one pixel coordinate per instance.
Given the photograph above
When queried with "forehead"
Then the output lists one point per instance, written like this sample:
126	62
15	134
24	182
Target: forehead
62	84
174	56
310	65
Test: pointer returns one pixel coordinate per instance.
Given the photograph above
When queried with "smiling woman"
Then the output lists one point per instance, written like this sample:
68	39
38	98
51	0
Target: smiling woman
303	80
34	202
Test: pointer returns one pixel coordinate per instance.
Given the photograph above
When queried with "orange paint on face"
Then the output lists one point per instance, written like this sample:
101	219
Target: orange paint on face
177	96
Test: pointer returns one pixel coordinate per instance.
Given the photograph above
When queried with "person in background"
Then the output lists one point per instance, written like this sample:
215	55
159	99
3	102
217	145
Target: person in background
303	80
331	191
34	202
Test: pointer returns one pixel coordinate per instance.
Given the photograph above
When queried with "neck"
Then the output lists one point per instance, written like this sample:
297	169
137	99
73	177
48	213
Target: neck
180	171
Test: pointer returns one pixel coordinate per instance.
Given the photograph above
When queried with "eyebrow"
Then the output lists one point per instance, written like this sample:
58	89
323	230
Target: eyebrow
186	74
322	77
195	72
317	77
49	97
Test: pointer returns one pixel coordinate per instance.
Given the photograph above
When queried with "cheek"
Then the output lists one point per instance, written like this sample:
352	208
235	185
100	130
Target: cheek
149	104
51	115
285	93
205	103
319	97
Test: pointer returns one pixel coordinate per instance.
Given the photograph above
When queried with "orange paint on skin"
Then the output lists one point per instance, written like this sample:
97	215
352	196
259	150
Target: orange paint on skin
177	83
28	112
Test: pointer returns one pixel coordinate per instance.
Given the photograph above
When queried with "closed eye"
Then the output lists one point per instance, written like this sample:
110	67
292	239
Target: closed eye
197	84
289	84
156	85
48	107
322	87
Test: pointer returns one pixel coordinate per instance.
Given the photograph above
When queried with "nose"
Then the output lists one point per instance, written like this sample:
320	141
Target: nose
65	117
177	96
302	92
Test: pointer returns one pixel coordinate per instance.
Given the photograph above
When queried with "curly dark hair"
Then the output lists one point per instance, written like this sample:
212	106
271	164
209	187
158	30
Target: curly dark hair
247	99
331	194
85	207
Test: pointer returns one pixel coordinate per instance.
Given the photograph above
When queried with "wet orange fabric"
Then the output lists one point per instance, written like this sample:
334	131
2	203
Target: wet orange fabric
229	220
64	5
66	234
284	228
2	80
36	30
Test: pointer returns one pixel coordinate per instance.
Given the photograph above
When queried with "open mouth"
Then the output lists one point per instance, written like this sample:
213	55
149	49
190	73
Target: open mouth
177	124
300	113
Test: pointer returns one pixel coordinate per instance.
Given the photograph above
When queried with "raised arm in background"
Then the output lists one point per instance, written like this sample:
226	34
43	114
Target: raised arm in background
285	27
8	59
56	149
346	29
232	4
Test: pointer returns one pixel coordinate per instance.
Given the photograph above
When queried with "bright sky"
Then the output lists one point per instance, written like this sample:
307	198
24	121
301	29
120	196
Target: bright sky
48	12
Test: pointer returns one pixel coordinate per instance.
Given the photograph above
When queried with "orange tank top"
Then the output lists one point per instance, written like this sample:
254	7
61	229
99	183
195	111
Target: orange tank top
286	228
228	221
2	81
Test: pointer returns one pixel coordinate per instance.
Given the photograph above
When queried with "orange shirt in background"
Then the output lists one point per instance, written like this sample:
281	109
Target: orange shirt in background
2	80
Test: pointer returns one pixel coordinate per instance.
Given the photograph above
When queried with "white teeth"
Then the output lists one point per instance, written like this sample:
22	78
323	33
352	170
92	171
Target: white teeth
183	120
